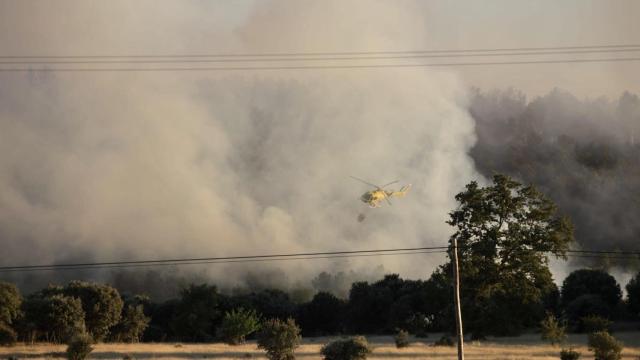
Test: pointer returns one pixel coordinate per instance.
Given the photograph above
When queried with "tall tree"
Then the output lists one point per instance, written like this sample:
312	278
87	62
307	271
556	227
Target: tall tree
197	314
10	300
101	303
504	232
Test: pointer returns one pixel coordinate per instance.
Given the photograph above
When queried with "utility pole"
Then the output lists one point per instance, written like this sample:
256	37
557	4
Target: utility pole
456	296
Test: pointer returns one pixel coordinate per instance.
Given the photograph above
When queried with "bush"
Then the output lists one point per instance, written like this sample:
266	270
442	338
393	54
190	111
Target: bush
279	338
79	347
552	331
237	324
402	339
605	346
8	336
445	340
355	348
568	354
594	323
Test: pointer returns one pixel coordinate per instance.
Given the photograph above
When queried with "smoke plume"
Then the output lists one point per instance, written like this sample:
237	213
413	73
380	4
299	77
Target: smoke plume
117	166
584	154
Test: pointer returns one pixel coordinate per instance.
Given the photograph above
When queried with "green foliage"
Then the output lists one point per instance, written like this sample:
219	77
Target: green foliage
197	313
102	306
65	317
418	324
605	346
79	347
401	339
323	315
590	292
504	232
392	302
270	303
585	305
52	317
8	336
279	338
569	354
132	325
594	323
237	324
10	300
552	330
633	295
445	340
354	348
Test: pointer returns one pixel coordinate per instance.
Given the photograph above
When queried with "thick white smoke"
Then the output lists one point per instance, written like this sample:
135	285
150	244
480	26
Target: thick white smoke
152	165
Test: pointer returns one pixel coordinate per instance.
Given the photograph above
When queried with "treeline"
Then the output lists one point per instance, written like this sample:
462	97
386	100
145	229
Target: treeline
57	313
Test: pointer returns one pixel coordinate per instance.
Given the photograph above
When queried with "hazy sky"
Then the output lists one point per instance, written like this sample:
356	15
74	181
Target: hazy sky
78	27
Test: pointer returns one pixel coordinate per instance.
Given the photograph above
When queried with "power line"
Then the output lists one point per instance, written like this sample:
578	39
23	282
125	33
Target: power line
336	53
189	60
247	258
309	67
221	262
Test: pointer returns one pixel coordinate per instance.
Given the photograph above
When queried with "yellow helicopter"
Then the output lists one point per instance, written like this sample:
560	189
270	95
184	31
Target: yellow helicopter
373	198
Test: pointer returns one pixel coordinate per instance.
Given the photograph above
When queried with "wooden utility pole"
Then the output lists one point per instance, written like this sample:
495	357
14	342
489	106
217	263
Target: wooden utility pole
456	296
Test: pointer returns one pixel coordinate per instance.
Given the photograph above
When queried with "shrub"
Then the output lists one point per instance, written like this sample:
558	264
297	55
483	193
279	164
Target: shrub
605	346
402	339
8	336
445	340
355	348
568	354
594	323
237	324
279	338
552	331
79	347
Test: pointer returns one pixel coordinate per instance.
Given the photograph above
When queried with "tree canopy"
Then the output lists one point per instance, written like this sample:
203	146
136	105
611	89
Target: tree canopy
505	232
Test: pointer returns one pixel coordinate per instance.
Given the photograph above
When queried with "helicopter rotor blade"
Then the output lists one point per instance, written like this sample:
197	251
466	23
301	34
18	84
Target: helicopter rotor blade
366	182
391	183
386	197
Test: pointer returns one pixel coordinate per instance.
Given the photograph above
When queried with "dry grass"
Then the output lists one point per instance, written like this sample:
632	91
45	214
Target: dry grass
524	347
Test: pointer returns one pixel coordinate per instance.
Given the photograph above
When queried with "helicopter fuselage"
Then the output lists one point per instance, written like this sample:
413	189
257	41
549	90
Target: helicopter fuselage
374	197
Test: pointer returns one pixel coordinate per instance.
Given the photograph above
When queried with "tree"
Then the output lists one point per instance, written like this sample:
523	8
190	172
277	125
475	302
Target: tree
590	292
132	325
279	338
323	315
633	295
102	306
552	330
237	324
8	336
504	232
52	317
270	303
197	315
10	300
